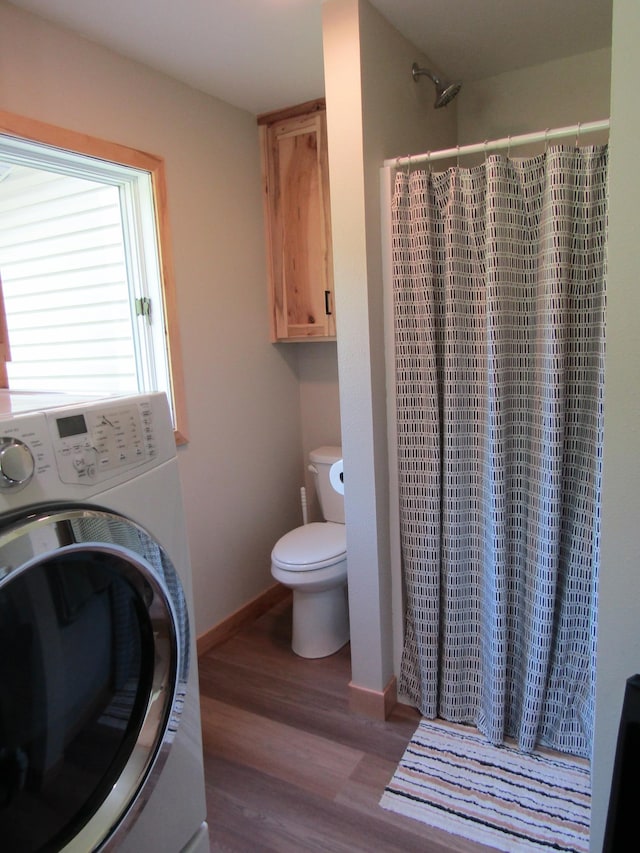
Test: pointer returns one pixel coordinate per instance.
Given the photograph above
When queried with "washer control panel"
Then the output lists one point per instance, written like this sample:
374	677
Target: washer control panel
90	445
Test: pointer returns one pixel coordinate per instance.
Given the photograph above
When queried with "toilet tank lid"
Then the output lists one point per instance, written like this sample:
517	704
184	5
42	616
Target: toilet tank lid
327	454
323	542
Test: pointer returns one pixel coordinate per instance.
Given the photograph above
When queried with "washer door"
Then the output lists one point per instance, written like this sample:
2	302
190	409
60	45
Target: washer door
93	670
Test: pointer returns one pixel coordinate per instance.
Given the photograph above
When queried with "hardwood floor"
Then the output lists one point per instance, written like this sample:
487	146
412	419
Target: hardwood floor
288	767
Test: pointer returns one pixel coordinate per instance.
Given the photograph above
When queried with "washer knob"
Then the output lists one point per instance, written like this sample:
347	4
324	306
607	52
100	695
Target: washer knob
16	463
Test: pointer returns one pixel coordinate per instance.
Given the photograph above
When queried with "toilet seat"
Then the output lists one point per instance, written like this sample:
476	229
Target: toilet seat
312	546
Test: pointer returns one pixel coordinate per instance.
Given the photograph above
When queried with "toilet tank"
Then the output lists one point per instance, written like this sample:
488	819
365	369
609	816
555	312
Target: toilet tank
331	503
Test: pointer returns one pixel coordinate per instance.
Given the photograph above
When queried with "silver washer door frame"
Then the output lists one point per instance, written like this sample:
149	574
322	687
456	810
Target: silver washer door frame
55	531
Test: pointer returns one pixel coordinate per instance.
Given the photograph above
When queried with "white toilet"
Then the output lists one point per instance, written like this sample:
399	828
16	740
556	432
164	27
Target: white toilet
312	561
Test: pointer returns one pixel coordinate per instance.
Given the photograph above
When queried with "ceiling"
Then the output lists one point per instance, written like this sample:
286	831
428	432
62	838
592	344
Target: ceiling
263	55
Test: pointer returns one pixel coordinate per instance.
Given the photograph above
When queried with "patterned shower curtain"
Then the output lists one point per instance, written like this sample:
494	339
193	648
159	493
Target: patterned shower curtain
499	298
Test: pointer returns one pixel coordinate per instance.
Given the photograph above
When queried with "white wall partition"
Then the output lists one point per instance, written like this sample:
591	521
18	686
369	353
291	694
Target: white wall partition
374	109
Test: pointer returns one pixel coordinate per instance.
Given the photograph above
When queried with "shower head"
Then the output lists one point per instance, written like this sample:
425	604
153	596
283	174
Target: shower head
445	91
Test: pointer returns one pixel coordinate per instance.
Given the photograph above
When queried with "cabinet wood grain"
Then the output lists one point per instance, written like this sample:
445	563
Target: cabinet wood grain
298	223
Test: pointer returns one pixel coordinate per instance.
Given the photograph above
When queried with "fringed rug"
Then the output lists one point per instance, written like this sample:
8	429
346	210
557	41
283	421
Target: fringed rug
451	778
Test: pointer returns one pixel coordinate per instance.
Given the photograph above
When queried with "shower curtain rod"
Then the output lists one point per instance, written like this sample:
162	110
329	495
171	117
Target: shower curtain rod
506	142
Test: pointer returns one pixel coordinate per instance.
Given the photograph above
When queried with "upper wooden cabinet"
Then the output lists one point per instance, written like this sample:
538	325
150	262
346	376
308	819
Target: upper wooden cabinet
298	223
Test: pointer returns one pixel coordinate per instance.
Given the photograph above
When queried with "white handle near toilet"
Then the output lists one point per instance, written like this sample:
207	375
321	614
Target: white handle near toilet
336	476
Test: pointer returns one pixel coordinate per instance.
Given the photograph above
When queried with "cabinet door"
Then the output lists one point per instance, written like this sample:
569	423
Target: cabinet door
299	228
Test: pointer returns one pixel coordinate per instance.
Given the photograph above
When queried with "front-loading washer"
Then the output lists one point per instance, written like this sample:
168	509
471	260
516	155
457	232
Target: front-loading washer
100	739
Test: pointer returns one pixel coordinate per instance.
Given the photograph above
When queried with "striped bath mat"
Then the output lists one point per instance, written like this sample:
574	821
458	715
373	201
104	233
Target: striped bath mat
451	778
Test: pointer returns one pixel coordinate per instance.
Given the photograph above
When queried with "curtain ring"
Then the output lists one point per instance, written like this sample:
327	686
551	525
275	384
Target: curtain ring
398	166
486	143
508	147
578	136
458	157
546	140
408	159
429	160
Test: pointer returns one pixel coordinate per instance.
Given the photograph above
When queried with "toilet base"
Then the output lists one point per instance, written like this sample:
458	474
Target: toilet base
320	622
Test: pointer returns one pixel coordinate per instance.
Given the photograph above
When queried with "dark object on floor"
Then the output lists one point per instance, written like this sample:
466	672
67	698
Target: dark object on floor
621	834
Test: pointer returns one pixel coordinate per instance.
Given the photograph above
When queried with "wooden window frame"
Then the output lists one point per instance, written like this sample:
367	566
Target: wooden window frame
36	131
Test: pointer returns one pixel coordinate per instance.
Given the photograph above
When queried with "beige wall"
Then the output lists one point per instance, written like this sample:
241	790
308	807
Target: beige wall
554	94
242	468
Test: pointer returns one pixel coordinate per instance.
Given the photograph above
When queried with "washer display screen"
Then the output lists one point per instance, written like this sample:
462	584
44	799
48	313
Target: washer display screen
71	425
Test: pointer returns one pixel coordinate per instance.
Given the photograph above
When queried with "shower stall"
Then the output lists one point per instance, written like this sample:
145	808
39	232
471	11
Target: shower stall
383	115
496	294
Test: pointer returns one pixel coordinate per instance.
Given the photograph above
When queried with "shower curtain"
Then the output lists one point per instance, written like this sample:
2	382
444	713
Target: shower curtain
499	297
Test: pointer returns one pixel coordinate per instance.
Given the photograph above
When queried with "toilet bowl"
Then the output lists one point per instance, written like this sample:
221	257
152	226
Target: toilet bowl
312	561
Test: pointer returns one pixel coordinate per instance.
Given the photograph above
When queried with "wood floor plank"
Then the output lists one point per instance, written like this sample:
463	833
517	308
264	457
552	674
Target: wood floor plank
306	760
285	819
313	709
266	652
288	767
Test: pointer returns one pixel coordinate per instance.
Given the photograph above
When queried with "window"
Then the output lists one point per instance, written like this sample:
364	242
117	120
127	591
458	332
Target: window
86	278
